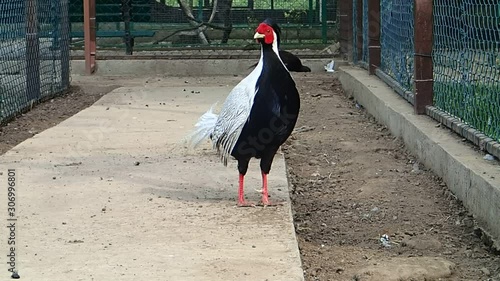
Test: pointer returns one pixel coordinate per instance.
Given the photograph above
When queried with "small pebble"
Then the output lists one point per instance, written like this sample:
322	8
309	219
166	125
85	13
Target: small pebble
313	162
485	271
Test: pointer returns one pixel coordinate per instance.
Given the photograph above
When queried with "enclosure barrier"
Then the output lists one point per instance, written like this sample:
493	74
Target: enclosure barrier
442	56
34	53
187	27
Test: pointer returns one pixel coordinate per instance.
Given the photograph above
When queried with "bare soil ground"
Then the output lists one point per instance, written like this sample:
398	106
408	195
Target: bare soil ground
351	182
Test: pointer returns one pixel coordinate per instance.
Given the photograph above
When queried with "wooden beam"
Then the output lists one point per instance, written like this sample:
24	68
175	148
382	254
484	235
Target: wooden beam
423	68
89	26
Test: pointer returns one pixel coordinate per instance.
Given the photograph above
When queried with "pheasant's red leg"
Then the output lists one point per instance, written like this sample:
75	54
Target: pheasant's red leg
241	199
265	194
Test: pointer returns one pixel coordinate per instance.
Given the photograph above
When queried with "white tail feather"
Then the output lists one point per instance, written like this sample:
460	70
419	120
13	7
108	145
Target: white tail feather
203	128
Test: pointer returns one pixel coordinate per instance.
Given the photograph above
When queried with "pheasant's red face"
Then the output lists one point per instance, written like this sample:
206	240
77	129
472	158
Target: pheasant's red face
265	32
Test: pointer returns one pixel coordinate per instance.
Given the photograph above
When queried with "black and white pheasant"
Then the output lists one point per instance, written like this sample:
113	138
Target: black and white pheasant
258	115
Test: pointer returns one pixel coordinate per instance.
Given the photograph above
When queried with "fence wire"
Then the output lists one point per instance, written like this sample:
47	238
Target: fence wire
167	24
397	42
34	53
364	58
355	11
466	61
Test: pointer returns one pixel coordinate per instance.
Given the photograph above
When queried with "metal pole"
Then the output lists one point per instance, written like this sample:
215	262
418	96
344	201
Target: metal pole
89	22
200	10
33	89
129	41
65	41
423	70
374	35
310	14
324	27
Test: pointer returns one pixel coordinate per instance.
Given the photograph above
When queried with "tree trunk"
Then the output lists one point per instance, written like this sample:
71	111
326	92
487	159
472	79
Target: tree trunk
187	11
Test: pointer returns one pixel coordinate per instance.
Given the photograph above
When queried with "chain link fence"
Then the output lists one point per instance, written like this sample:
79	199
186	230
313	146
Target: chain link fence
396	39
466	60
364	57
465	57
34	53
193	25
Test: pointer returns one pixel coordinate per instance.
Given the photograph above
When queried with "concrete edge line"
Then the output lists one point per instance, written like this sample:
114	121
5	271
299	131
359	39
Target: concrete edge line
176	67
289	211
474	181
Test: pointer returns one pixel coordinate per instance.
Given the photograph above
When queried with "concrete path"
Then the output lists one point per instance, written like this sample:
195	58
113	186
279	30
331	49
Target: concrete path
110	194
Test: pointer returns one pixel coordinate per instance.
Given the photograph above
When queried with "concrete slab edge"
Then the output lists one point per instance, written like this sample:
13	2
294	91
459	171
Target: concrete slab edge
470	178
209	67
484	142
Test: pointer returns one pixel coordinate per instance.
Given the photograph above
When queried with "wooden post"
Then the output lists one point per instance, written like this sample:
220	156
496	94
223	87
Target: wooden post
89	24
33	91
423	69
374	27
345	28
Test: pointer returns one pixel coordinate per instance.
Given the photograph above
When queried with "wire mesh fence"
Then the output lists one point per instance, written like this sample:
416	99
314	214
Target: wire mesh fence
364	57
170	24
34	53
466	60
355	29
396	39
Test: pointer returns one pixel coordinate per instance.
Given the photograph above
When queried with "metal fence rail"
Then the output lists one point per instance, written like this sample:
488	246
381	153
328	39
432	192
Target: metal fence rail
466	59
34	53
396	40
166	24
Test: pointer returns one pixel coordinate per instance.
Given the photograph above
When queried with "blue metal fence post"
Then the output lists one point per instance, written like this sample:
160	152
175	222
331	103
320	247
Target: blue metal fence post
324	26
200	10
310	14
374	50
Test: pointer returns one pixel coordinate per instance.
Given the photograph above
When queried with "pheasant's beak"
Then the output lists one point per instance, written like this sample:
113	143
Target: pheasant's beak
259	36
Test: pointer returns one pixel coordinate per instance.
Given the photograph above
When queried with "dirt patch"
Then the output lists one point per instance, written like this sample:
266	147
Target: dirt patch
353	182
49	114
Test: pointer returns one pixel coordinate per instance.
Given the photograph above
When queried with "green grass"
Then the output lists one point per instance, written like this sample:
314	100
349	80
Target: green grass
477	104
